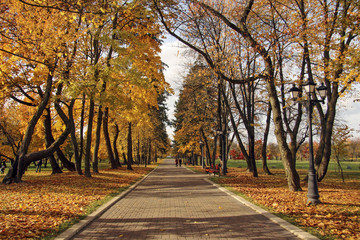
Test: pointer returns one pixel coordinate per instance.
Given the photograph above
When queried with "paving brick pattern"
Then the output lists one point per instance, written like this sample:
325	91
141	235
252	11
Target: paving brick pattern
175	203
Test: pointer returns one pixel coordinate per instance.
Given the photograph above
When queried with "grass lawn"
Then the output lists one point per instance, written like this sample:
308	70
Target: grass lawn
347	166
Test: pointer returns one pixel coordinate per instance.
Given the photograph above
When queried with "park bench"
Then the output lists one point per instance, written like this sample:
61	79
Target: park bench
210	170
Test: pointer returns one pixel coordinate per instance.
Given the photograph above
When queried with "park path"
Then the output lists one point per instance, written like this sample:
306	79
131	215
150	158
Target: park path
175	203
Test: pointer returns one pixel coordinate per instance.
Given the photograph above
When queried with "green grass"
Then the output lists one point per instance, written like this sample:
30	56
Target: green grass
347	166
32	167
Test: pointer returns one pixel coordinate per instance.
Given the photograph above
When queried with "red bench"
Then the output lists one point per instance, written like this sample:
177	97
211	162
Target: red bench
213	170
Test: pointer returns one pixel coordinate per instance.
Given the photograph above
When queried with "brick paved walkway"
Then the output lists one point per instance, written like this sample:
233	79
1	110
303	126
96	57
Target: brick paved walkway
175	203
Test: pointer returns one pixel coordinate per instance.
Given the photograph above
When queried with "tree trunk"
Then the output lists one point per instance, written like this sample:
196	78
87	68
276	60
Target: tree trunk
34	156
250	103
149	152
269	77
156	154
146	153
138	151
82	121
116	153
264	146
323	166
212	162
248	160
54	165
113	163
206	147
74	140
292	176
49	140
89	138
340	168
65	162
97	141
125	160
129	148
18	168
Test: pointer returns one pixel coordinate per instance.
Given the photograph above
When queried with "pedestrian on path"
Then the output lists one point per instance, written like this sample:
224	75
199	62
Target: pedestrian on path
176	162
180	161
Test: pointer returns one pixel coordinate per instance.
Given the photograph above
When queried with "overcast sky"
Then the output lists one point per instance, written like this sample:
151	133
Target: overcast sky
348	111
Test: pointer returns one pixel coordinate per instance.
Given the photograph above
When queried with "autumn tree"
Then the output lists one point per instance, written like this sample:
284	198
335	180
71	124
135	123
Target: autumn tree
332	29
245	29
195	112
340	142
160	121
354	144
10	131
263	25
32	34
53	52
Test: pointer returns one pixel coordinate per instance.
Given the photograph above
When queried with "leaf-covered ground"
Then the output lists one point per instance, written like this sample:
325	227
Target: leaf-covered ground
42	202
338	217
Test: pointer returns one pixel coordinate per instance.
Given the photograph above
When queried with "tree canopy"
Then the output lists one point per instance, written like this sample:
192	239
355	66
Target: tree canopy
282	43
74	60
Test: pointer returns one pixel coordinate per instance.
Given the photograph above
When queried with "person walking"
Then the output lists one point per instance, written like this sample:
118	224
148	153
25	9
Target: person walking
2	166
38	166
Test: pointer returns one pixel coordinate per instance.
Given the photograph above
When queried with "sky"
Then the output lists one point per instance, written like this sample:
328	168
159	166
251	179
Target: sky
348	111
172	55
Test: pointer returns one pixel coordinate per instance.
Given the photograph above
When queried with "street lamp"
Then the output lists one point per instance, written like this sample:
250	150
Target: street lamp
202	156
313	193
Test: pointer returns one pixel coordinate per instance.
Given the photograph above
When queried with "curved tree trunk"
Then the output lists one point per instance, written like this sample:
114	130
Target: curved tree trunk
17	169
49	140
27	159
65	162
323	166
54	165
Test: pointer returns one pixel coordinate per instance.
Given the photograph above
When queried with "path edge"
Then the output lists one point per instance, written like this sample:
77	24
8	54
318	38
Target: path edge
78	227
284	224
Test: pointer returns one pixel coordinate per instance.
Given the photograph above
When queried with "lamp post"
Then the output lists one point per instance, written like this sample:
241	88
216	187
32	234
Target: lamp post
202	156
313	193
